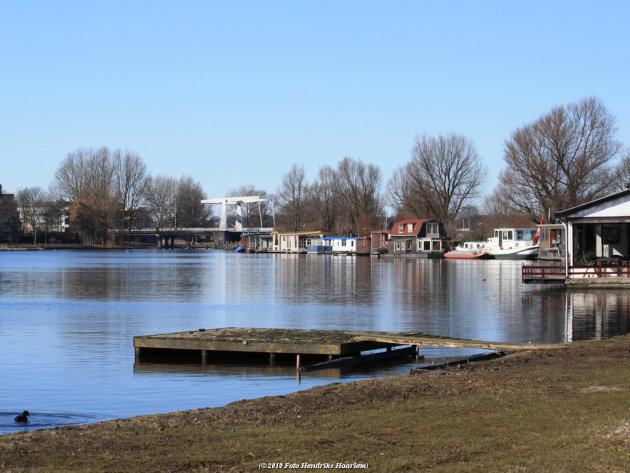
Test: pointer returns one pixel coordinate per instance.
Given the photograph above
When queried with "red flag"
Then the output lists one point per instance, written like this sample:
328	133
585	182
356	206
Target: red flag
537	234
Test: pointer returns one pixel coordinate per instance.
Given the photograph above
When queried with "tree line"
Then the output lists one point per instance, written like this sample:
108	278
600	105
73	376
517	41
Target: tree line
102	189
568	156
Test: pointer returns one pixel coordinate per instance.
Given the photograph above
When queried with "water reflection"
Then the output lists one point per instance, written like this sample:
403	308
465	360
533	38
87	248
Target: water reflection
596	315
68	318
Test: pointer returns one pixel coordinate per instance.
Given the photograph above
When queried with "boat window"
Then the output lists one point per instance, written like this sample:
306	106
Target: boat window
519	235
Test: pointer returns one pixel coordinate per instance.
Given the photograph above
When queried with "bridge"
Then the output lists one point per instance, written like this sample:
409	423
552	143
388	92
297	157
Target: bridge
166	236
239	201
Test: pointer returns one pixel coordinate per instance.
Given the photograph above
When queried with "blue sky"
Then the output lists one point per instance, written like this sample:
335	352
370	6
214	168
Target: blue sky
235	92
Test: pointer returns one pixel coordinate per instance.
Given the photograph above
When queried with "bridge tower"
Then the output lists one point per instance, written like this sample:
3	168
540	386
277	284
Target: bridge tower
239	201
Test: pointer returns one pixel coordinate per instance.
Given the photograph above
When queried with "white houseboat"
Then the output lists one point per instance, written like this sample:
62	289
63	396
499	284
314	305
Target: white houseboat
513	243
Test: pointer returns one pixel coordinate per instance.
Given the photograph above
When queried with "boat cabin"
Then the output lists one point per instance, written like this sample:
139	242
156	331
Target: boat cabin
294	242
343	245
512	237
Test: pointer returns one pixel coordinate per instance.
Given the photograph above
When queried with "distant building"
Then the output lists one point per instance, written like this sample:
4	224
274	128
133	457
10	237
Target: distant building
10	226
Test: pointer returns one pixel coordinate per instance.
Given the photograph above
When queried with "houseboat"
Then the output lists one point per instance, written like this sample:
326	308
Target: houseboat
420	238
513	243
379	242
319	245
297	242
597	246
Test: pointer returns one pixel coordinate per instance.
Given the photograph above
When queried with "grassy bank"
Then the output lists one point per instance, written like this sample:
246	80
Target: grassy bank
563	410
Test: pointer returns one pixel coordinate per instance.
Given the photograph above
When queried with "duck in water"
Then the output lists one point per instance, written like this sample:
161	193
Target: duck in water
23	417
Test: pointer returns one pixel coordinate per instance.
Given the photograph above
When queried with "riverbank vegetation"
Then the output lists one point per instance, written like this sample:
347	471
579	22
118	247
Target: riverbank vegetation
562	409
566	157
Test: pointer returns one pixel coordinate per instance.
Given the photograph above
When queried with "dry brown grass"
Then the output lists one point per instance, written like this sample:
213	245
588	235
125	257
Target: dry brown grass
558	410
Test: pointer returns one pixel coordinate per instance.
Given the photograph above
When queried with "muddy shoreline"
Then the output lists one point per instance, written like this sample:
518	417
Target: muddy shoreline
564	409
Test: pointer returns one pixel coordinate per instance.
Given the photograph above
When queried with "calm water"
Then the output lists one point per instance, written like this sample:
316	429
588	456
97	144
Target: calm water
67	320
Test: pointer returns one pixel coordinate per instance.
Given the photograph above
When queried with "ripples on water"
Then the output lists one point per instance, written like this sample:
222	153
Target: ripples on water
44	420
68	318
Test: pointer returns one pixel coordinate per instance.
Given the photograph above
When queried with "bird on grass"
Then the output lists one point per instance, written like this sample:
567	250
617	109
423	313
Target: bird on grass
23	417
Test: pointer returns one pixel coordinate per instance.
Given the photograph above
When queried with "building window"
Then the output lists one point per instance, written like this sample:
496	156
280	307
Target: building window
401	228
410	227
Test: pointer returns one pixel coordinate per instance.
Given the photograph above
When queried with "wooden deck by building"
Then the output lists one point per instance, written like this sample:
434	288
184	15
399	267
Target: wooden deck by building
312	345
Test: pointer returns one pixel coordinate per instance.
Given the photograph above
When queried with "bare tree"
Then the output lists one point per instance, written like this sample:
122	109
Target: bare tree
54	214
562	159
324	200
161	197
290	196
131	177
31	202
405	196
621	174
84	169
190	212
93	213
442	178
359	187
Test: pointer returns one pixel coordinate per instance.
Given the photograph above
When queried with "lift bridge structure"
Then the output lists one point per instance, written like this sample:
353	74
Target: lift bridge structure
166	236
239	201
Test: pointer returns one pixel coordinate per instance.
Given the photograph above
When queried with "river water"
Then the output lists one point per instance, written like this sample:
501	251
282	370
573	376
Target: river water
68	318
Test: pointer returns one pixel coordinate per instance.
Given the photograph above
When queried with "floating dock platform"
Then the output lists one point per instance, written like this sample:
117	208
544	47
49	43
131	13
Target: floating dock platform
315	346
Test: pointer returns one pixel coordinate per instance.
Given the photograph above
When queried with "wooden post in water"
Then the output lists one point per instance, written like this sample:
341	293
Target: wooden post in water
297	362
204	357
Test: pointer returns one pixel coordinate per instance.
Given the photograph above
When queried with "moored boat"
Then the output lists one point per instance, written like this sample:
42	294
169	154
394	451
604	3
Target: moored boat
469	250
513	243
